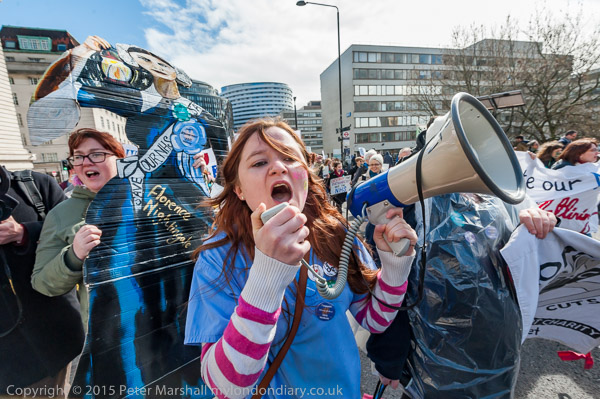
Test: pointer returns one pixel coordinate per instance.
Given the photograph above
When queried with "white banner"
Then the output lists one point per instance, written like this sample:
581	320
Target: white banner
557	281
571	193
340	185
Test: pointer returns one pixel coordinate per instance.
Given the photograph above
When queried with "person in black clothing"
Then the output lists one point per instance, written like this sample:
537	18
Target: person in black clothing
39	335
337	171
568	137
359	167
387	158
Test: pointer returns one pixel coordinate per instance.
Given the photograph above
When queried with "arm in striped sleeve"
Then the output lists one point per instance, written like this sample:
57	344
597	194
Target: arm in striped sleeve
390	288
232	365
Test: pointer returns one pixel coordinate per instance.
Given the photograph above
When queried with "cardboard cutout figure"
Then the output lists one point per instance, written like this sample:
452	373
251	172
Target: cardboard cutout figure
138	278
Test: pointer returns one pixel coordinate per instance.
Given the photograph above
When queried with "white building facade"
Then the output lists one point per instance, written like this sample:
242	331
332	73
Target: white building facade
13	154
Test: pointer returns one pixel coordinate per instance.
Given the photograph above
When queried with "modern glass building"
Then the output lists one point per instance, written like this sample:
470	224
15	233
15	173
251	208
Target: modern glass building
256	100
208	98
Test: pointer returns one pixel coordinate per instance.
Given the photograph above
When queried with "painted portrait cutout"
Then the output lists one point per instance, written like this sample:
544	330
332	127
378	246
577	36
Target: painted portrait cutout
138	278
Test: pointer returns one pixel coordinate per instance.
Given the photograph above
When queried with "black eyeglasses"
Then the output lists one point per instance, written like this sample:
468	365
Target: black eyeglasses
94	157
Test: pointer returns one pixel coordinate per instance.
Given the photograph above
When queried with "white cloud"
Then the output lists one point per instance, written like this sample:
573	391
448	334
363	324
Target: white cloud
225	42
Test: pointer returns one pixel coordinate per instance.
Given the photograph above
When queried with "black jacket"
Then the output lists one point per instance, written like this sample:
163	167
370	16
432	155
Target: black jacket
50	332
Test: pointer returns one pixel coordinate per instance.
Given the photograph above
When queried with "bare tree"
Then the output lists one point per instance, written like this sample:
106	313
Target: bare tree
554	68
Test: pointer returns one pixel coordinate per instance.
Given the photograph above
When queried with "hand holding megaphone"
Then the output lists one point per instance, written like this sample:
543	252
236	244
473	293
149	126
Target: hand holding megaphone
392	233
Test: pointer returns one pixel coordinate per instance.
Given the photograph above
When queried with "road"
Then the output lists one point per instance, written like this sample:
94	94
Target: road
542	375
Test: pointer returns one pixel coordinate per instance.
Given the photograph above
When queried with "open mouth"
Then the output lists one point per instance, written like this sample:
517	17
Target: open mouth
281	192
91	174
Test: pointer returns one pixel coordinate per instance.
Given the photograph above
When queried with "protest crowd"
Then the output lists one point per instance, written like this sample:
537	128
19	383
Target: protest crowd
256	308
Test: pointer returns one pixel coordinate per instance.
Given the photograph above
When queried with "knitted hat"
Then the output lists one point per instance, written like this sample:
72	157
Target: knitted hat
377	158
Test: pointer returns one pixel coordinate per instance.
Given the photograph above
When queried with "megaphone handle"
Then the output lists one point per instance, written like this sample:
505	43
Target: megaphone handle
376	214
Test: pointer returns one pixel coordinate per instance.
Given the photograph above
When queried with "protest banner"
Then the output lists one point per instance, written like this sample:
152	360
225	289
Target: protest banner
557	281
139	279
340	185
571	193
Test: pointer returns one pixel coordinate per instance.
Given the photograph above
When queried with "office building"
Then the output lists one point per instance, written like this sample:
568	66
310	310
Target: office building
379	87
256	100
310	124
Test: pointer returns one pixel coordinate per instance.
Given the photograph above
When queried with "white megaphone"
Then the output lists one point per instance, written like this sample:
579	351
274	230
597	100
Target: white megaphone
466	152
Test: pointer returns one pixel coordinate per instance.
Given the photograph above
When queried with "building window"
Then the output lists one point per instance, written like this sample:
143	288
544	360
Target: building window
102	122
33	81
61	47
20	119
424	58
9	59
49	157
35	59
15	99
35	43
114	128
10	44
11	80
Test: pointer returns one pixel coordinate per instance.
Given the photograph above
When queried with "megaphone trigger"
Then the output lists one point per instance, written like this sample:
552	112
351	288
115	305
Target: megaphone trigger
377	215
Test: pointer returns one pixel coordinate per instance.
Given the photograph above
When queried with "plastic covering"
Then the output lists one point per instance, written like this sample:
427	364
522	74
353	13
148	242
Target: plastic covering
138	278
467	328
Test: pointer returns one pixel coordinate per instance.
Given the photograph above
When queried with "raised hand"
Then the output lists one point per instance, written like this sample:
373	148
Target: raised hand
394	230
538	221
283	237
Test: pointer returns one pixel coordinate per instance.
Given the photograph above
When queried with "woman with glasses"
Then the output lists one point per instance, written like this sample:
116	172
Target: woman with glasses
578	152
375	164
65	239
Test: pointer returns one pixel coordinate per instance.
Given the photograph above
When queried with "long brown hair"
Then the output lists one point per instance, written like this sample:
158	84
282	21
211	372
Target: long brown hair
545	151
327	226
576	148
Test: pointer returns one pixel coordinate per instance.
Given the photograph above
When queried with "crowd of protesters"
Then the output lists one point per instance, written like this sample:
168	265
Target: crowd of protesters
94	161
566	151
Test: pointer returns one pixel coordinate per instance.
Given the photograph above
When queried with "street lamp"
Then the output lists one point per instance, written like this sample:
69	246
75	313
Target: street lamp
507	99
295	114
341	138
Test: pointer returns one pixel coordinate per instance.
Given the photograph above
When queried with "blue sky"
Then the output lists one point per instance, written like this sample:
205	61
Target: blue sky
111	19
225	42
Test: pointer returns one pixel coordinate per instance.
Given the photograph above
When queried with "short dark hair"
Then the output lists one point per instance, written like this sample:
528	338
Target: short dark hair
520	137
570	132
106	140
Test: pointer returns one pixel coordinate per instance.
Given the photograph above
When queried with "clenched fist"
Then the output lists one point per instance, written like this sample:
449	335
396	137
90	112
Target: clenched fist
87	238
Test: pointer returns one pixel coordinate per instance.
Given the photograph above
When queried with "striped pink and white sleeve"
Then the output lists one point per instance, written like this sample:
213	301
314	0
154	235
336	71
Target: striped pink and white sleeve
233	365
390	288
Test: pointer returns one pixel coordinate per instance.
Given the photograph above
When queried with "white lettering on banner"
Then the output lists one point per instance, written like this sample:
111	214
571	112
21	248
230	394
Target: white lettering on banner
340	185
571	193
158	153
